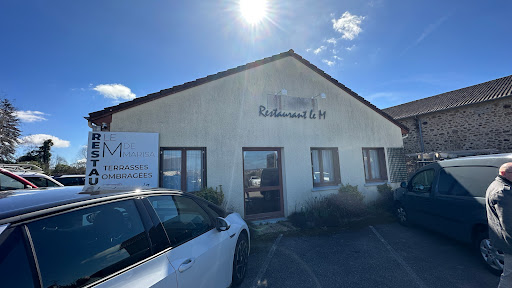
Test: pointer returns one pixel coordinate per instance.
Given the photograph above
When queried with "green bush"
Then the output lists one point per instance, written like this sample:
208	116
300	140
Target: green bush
385	198
299	219
213	195
331	210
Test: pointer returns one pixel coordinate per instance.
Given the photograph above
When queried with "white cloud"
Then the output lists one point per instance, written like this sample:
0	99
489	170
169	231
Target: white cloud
330	63
375	3
38	139
115	91
319	49
31	116
387	98
309	49
349	25
379	95
431	28
351	48
337	57
331	40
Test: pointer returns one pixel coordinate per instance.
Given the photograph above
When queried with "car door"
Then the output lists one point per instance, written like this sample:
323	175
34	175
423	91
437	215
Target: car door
459	202
199	252
104	245
418	198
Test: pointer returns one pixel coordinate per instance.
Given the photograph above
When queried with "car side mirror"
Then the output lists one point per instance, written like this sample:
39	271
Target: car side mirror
403	184
222	224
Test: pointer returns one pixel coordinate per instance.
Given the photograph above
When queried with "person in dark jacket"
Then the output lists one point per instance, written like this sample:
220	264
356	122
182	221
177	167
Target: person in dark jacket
499	217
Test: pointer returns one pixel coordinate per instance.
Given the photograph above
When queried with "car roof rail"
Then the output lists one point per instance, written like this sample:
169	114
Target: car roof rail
22	168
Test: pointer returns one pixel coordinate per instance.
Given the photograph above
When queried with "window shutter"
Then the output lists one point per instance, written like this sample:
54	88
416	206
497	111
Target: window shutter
397	167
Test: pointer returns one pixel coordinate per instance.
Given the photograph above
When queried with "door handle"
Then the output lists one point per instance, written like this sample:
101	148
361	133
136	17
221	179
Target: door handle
186	264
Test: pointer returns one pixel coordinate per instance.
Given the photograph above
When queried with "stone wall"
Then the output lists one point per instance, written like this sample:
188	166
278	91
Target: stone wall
479	126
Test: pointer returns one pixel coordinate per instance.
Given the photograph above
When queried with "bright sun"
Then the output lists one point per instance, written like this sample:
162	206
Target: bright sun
253	11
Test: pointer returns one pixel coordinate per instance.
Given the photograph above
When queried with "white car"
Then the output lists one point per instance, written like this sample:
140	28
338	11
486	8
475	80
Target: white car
254	181
63	237
39	179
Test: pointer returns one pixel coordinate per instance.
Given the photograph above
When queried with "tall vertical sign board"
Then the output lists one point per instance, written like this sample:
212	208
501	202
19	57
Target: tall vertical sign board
121	160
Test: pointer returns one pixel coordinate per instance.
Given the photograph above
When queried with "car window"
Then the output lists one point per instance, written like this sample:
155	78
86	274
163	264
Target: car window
41	181
38	181
15	270
66	181
8	183
466	181
182	218
422	182
71	181
50	183
212	209
79	247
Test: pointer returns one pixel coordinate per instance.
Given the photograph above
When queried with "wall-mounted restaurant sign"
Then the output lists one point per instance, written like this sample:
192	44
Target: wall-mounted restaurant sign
275	113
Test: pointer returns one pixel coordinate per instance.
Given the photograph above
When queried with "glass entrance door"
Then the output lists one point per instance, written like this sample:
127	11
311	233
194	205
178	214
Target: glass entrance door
263	188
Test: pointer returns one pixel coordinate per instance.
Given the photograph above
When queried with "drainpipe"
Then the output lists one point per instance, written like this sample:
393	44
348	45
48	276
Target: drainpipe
418	122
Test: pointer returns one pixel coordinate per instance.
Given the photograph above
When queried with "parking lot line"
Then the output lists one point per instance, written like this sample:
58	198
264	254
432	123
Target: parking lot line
267	261
400	260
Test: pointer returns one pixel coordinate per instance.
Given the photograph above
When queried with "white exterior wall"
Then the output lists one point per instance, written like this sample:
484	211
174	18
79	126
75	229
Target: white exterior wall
222	116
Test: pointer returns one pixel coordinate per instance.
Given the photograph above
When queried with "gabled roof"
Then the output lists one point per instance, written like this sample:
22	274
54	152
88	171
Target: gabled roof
105	115
479	93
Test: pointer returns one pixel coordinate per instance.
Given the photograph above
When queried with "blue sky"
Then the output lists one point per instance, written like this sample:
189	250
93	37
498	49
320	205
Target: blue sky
61	59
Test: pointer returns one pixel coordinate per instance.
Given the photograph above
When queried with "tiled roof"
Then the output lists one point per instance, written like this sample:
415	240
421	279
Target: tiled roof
100	116
486	91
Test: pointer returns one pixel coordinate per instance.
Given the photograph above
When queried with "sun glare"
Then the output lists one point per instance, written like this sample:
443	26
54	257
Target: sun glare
253	11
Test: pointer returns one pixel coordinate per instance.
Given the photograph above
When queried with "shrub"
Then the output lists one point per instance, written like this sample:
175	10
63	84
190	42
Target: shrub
299	219
385	197
214	196
331	210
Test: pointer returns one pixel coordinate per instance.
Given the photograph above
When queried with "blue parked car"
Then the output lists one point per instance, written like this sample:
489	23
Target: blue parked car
449	197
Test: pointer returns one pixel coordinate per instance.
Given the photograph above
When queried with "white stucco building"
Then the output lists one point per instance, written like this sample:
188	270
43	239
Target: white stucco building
274	133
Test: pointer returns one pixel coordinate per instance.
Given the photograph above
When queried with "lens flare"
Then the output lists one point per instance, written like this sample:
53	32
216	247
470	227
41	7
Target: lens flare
253	11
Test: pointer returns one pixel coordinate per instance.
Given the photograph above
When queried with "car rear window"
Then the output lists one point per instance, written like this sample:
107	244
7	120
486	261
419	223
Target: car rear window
79	247
469	181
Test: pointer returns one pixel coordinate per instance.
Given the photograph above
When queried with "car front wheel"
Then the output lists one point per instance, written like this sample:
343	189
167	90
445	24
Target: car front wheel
490	256
240	259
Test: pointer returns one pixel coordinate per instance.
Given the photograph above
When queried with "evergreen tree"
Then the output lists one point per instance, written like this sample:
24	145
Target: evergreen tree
9	131
45	154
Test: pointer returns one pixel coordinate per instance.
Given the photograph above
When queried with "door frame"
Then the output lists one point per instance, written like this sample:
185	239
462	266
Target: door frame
269	215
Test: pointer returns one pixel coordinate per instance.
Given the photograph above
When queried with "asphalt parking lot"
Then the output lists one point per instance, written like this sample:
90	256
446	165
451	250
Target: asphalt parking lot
387	255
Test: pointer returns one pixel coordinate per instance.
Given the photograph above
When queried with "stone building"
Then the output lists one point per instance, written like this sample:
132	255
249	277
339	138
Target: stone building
471	120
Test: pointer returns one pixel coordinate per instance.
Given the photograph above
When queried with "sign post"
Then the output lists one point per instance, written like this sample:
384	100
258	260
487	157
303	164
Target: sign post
121	160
